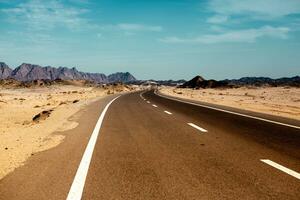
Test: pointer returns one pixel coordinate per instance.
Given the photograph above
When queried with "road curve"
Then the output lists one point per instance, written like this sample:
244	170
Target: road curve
189	152
150	147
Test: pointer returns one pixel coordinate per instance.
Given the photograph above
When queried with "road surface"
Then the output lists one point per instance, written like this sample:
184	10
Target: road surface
150	147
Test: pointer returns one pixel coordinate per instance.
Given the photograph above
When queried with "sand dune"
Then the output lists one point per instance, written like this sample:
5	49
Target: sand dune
29	116
279	101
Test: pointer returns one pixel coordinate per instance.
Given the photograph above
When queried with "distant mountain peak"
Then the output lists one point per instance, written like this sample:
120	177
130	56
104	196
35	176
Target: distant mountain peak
125	77
5	71
30	72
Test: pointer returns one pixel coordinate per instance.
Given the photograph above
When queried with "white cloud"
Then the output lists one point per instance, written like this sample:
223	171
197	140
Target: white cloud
247	35
264	9
43	15
217	19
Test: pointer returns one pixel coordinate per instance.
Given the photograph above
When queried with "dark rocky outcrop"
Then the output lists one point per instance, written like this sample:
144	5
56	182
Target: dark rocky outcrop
265	81
200	82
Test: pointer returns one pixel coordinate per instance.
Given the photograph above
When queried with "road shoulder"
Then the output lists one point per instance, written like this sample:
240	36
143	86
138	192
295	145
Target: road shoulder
49	174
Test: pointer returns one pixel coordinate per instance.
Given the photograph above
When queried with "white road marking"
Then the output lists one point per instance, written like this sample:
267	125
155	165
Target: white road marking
76	189
169	113
154	105
141	95
197	127
231	112
281	168
148	101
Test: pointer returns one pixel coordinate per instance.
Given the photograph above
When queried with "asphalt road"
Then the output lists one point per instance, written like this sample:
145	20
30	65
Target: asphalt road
151	147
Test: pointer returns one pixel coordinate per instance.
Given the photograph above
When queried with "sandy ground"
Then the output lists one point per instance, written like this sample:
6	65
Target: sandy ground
21	136
279	101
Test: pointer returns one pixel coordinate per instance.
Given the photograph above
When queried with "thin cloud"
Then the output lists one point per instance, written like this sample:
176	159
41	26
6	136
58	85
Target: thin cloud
131	29
45	15
246	36
217	19
266	9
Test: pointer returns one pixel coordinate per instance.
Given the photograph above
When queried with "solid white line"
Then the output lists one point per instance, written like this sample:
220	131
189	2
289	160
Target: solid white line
154	105
231	112
169	113
197	127
76	189
281	168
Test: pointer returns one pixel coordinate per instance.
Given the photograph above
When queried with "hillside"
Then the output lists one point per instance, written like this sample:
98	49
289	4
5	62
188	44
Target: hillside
30	72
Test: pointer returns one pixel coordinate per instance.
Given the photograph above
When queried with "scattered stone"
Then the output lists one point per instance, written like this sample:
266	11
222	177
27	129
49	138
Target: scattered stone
42	115
110	92
26	122
75	101
63	102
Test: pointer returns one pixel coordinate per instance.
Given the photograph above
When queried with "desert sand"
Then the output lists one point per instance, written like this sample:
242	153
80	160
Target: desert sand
30	116
278	101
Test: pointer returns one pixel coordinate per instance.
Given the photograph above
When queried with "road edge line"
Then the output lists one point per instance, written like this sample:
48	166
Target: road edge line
78	183
230	112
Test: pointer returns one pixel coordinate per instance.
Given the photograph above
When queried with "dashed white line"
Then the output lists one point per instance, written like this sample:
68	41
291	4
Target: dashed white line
227	111
281	168
197	127
76	189
141	95
148	101
154	105
169	113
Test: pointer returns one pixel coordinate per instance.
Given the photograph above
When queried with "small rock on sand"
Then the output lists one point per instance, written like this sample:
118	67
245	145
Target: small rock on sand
42	115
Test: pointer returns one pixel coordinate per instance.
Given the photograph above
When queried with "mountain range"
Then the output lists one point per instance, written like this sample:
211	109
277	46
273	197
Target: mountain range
200	82
30	72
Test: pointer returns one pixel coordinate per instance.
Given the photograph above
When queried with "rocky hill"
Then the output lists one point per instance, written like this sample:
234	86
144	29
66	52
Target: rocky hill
261	81
125	77
5	71
30	72
200	82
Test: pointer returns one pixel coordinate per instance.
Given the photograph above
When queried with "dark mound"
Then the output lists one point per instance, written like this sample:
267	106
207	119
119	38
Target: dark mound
200	82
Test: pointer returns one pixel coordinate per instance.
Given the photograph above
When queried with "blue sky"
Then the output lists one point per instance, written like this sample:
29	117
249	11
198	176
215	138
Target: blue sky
160	39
